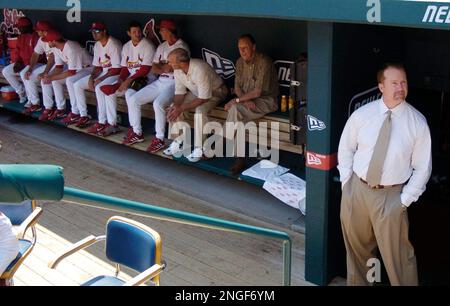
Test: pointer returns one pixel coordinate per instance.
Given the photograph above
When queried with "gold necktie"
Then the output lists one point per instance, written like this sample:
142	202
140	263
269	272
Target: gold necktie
379	152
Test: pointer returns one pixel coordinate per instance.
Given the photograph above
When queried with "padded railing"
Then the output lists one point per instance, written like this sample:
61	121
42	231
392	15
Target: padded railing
46	182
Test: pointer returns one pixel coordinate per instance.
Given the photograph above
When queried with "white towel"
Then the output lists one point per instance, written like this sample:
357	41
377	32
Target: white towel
265	170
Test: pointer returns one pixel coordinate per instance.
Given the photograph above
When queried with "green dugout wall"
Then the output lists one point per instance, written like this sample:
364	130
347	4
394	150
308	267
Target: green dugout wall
346	41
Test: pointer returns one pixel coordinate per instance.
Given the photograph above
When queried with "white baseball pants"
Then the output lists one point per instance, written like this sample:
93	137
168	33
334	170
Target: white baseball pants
13	80
161	92
102	109
59	90
47	93
31	85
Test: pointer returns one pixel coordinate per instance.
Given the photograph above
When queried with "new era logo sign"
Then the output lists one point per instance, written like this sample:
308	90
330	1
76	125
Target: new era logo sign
319	161
315	124
223	67
284	72
312	159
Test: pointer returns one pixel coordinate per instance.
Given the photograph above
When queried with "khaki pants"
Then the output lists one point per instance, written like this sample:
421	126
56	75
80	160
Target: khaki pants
240	113
371	218
218	96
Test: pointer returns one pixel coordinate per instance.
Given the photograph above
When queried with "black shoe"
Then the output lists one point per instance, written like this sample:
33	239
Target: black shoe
238	166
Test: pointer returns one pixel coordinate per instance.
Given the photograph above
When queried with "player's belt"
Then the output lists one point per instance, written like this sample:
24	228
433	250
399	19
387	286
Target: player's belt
378	186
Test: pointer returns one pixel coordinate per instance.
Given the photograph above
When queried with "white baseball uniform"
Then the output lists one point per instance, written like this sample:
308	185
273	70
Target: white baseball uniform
161	92
106	57
76	58
31	88
25	45
133	57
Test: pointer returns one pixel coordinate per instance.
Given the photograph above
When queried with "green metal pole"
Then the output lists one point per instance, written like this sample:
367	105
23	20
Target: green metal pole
317	241
287	251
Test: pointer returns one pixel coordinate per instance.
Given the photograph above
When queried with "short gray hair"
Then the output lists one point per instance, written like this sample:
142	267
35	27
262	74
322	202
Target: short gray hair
181	55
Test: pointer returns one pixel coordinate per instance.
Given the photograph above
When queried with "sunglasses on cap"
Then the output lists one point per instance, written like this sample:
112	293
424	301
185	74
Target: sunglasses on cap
97	31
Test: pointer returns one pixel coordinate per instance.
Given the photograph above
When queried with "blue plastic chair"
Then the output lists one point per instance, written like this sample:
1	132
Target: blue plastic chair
128	243
24	216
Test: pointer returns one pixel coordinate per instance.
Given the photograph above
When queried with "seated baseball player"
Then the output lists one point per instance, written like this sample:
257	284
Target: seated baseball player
106	71
20	57
256	88
161	91
137	55
206	90
78	61
37	71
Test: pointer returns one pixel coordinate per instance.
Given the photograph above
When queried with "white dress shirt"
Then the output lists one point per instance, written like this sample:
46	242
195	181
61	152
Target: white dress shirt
409	151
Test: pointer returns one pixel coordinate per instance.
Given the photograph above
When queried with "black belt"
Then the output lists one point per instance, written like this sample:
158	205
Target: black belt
378	186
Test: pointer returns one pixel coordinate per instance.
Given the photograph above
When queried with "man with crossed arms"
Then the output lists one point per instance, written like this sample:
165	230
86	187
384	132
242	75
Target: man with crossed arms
20	57
37	71
78	61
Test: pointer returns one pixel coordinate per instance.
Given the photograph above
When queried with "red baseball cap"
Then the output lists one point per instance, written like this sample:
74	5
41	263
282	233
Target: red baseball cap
52	35
97	25
24	22
43	25
168	24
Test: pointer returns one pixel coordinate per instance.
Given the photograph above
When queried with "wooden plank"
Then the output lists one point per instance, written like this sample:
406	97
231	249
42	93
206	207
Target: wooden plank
202	273
181	237
72	271
28	276
217	261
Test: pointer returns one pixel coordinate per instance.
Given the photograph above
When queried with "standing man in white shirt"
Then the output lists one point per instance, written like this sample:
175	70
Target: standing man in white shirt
106	70
161	91
36	70
78	61
206	90
384	162
137	56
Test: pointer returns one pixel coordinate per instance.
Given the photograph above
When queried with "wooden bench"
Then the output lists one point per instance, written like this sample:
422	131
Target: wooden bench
217	114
